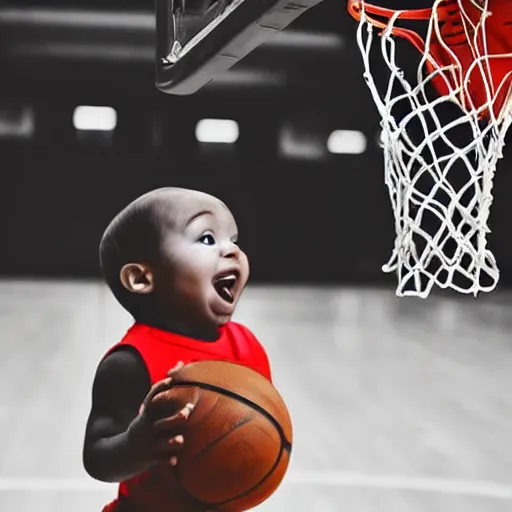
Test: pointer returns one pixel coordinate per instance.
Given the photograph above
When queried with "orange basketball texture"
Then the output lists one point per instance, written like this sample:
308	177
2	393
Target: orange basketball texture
238	439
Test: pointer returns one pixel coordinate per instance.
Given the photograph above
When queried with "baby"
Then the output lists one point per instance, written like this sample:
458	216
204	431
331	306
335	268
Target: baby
171	258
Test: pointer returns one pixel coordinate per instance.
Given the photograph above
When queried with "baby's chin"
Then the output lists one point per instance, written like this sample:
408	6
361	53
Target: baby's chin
221	322
222	319
222	310
212	322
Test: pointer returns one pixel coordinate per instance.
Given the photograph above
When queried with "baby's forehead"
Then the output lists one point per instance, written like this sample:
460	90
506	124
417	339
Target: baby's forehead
177	210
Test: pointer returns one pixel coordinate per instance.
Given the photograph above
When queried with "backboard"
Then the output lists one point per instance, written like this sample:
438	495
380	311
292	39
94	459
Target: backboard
198	39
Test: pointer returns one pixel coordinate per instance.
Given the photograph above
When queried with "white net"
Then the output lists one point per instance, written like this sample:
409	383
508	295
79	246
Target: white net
439	171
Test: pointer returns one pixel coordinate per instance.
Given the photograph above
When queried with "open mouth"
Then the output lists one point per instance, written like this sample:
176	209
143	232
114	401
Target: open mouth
224	285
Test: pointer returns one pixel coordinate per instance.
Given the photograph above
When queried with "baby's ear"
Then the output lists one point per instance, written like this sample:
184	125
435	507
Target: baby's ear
137	278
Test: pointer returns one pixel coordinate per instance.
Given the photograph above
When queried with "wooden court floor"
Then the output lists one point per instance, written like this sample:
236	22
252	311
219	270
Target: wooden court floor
399	405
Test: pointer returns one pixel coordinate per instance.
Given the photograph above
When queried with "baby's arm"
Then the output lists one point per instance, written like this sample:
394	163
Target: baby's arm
121	441
120	386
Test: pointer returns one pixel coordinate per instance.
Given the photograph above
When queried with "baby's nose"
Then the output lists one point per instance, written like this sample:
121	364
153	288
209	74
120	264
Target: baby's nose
230	250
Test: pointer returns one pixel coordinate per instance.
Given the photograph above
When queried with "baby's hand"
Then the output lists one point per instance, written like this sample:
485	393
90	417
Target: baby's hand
160	386
161	439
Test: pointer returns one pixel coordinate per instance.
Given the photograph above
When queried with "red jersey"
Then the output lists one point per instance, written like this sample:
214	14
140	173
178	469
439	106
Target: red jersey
161	351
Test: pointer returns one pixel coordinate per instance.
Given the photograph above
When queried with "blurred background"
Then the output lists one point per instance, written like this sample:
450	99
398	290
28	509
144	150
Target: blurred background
401	404
309	211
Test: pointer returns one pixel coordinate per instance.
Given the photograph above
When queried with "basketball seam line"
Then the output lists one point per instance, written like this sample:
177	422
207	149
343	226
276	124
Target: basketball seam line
284	444
257	484
210	387
219	439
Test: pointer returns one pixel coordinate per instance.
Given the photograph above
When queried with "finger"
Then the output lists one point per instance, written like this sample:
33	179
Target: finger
156	388
167	448
173	422
179	365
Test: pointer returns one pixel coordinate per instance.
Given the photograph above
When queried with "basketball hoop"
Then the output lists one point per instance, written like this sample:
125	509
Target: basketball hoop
466	59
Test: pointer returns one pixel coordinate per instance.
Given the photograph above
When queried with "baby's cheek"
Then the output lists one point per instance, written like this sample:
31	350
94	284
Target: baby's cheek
198	270
244	263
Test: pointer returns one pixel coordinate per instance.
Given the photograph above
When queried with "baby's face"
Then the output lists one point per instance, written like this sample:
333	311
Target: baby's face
203	271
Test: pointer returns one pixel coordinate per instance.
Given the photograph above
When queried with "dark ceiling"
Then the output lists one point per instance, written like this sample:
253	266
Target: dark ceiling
91	46
304	83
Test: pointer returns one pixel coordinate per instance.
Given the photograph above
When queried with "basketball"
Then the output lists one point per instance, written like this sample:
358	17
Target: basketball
238	438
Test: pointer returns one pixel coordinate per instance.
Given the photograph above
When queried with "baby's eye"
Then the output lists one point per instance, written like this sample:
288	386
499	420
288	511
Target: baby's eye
207	239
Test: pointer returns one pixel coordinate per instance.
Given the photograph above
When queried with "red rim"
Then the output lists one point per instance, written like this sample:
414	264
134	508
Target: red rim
450	46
